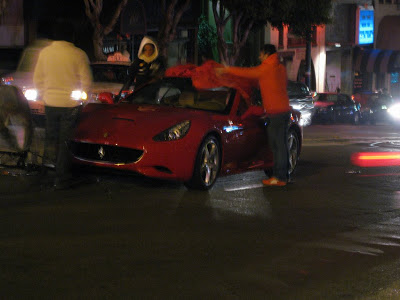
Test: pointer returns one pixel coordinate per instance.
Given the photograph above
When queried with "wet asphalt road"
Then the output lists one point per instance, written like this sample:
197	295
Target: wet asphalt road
331	234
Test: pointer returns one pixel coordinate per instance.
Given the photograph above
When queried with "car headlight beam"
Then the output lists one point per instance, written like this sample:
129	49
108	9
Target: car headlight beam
175	132
78	95
31	94
394	111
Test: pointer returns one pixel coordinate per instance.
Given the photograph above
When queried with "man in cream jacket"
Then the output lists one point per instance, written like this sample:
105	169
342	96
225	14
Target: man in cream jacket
61	69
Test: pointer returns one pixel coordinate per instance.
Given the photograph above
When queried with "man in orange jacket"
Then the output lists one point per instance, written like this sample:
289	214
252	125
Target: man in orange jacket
272	78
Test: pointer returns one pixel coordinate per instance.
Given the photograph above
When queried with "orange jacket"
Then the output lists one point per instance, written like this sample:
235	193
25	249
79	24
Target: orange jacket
271	76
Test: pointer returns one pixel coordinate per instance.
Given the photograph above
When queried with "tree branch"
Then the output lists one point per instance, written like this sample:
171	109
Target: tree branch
178	16
246	34
108	28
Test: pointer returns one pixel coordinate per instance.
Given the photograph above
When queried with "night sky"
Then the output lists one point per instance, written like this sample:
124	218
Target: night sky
45	9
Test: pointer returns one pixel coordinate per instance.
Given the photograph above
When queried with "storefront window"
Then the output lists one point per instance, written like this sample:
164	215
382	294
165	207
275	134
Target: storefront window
394	85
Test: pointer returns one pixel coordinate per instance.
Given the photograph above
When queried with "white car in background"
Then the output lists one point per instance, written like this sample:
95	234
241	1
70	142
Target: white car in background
108	76
23	75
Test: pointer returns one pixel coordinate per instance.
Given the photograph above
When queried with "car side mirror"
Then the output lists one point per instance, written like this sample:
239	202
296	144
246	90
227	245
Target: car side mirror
106	98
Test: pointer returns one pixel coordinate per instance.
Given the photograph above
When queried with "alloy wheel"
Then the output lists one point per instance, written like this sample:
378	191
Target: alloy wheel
209	162
293	148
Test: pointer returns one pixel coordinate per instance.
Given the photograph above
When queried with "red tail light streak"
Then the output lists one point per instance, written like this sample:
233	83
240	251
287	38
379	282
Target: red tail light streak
375	159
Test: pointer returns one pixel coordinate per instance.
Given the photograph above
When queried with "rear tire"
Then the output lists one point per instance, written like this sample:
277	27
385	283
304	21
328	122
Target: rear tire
293	151
207	165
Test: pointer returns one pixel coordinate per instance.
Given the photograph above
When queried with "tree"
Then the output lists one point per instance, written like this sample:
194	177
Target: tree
93	9
301	18
206	37
244	15
172	11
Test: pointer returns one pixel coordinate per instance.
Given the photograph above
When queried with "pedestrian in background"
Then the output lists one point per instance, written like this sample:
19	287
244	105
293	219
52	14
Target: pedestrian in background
149	65
61	69
272	78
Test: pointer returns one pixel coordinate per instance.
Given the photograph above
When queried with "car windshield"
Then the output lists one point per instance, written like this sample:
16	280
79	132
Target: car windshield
30	55
180	93
326	97
28	60
110	73
297	89
379	100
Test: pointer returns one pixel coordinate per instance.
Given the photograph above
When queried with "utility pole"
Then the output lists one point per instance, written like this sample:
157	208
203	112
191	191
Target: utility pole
307	73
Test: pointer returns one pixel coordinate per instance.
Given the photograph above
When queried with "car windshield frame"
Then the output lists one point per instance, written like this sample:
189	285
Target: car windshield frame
327	97
180	93
110	73
379	100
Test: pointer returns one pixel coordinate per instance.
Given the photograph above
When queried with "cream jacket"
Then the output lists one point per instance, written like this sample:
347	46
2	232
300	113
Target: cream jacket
61	69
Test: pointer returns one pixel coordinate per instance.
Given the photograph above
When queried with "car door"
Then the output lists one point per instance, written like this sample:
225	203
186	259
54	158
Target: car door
338	107
245	137
348	108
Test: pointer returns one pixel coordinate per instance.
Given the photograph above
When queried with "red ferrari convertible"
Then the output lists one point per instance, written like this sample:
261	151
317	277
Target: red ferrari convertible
172	130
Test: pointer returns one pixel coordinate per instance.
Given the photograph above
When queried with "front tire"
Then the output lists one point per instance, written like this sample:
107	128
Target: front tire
207	165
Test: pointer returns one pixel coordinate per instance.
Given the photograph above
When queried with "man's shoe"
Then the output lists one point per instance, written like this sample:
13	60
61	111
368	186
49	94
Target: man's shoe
273	181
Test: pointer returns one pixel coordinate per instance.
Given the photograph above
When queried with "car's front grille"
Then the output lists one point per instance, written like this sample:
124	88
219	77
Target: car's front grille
105	153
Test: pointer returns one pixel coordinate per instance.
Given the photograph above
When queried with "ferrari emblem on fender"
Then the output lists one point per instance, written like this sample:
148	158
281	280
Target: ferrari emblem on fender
105	134
101	152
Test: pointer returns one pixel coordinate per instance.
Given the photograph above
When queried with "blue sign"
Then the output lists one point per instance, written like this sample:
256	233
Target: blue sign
366	27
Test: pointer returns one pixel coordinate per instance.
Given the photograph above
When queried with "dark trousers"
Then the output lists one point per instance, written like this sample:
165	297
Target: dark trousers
277	130
60	123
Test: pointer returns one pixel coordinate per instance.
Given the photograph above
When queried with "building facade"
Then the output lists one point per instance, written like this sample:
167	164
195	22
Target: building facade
339	59
292	52
387	47
362	46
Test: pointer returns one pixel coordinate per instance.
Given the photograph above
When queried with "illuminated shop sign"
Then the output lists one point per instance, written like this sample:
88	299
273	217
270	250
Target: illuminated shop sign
365	26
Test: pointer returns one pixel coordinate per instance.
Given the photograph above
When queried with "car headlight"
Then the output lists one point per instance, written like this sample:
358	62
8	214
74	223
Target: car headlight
297	106
31	94
79	95
394	111
305	118
175	132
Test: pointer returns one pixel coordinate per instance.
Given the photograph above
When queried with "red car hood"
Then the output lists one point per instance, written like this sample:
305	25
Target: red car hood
125	124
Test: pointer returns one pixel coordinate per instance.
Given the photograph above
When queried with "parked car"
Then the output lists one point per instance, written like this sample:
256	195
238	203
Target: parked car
379	108
23	78
300	98
335	108
171	130
107	76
